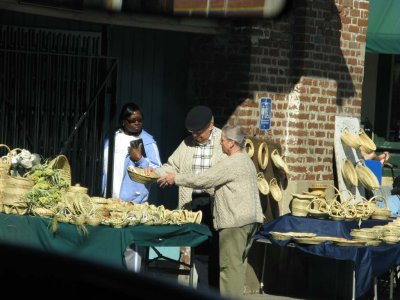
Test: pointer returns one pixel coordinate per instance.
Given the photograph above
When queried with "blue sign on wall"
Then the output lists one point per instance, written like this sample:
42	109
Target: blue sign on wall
265	113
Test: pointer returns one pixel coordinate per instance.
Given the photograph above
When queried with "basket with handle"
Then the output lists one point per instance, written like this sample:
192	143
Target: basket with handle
61	162
378	212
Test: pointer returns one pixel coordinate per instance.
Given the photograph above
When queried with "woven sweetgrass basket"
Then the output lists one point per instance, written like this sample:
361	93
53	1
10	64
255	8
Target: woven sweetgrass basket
137	174
366	144
349	173
61	162
278	161
5	162
262	155
262	184
366	176
249	146
349	139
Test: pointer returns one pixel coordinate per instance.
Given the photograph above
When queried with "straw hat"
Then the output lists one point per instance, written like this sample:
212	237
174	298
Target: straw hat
349	173
366	177
350	139
275	190
278	161
262	184
137	174
263	155
249	146
366	144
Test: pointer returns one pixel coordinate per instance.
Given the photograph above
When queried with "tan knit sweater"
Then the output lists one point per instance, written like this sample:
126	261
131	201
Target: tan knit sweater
237	200
181	161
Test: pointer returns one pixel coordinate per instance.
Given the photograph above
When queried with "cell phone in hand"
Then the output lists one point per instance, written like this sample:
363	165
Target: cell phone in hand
135	143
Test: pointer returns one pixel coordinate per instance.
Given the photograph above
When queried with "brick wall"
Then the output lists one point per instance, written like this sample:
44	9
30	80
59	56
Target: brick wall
310	61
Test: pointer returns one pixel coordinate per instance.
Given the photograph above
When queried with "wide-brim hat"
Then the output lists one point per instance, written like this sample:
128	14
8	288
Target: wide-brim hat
198	118
349	173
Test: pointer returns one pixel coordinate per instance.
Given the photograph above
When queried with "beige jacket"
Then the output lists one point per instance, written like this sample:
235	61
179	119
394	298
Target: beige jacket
237	200
181	162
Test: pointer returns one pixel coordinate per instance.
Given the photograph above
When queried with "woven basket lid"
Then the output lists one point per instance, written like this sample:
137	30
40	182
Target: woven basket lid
349	173
366	177
137	174
349	139
262	155
275	190
278	161
262	184
249	146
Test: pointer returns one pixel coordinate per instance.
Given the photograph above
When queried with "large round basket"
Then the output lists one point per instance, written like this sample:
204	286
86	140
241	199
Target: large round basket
137	174
5	162
61	162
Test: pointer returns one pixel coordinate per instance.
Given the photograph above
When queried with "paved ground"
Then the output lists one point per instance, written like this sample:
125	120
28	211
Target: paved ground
266	297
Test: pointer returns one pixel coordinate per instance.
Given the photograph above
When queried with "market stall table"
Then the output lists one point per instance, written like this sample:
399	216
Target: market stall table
369	262
102	244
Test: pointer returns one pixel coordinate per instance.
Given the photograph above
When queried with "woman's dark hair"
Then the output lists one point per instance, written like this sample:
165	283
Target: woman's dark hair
396	186
127	110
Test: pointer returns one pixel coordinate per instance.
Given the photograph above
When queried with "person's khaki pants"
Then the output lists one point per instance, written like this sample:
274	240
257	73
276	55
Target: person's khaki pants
234	246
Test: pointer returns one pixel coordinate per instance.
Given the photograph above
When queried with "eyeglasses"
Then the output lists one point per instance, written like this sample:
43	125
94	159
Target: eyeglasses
134	120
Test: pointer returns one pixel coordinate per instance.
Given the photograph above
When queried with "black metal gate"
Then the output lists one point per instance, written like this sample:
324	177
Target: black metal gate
56	95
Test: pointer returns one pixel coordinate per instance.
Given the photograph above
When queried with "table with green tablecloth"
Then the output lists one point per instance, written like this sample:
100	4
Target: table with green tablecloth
101	244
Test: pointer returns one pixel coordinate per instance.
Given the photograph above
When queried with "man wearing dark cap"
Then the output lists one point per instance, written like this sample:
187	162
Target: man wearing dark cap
197	153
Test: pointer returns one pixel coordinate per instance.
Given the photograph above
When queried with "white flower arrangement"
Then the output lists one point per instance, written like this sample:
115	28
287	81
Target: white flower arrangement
23	162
